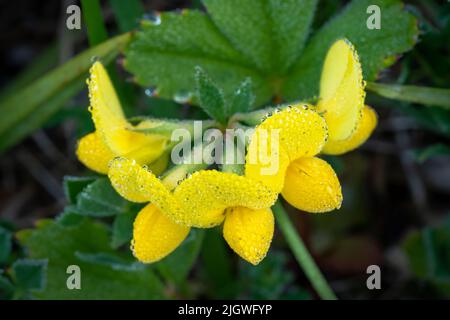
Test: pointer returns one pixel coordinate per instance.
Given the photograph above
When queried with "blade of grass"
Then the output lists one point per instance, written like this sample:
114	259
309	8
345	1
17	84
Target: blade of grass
17	106
422	95
92	13
301	254
35	120
41	64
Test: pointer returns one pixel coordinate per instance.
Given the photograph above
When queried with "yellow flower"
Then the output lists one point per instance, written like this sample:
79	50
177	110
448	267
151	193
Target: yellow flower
306	182
341	100
204	199
112	136
281	158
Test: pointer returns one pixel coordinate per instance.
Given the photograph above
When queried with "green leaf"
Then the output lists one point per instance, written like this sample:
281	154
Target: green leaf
122	231
432	151
63	246
30	274
99	199
6	287
270	33
376	48
165	55
35	120
127	13
162	108
428	252
268	280
5	245
263	40
70	217
110	260
243	98
176	266
210	97
415	94
216	264
29	108
74	185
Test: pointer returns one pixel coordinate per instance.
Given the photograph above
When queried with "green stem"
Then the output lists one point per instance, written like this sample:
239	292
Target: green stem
301	254
423	95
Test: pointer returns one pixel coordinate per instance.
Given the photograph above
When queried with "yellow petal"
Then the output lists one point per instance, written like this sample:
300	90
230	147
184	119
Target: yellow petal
147	152
312	185
199	200
363	131
249	232
93	153
111	124
206	194
136	183
155	235
341	90
106	110
281	138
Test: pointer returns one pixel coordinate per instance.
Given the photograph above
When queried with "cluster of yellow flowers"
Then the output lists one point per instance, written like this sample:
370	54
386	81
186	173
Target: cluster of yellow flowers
133	160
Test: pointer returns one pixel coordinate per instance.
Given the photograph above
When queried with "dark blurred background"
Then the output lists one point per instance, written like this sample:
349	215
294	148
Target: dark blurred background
396	187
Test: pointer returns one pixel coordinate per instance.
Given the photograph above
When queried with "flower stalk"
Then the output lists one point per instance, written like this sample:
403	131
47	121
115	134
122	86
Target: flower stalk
415	94
302	255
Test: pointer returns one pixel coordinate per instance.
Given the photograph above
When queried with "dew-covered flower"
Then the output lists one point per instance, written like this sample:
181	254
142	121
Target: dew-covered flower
338	123
341	100
305	181
204	199
112	136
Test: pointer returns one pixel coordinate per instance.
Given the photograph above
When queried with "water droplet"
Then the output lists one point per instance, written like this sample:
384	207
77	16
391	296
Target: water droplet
182	97
151	92
153	17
